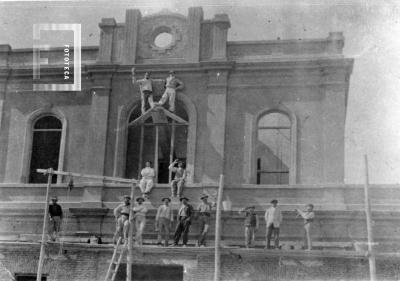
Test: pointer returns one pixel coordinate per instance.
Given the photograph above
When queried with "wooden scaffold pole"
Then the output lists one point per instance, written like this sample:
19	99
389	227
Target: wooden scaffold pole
156	154
141	150
172	148
79	175
371	252
49	173
129	258
217	256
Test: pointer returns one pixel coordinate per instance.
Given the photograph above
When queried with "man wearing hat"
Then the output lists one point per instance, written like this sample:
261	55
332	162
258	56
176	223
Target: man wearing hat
164	219
251	224
146	89
140	211
56	215
179	180
185	214
308	216
172	84
273	219
121	214
204	212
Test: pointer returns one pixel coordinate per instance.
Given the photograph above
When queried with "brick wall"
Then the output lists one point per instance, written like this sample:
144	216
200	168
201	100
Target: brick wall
90	264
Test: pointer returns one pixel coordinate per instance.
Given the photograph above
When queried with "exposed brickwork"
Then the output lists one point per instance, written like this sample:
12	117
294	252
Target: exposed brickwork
88	264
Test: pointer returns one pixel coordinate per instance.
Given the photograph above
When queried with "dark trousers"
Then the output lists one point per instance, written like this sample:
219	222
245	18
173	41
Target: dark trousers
182	228
275	231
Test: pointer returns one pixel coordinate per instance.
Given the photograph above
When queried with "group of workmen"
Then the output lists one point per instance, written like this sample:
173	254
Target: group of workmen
273	220
164	220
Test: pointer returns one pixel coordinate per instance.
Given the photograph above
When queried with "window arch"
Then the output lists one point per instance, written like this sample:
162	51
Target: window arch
275	149
121	141
159	139
46	143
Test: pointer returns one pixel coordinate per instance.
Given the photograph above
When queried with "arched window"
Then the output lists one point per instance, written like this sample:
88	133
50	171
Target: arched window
47	131
273	150
159	139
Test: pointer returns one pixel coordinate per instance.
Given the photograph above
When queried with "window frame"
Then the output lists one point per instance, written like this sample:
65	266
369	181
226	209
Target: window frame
293	143
27	152
122	136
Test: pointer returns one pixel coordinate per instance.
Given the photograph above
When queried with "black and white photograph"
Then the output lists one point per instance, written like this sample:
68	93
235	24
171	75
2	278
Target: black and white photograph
200	140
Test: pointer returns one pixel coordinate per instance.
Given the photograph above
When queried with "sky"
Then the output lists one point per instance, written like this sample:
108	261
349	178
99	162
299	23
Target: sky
372	38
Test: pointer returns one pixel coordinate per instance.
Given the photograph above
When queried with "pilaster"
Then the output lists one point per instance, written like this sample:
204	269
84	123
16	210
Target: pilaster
98	122
220	36
216	124
107	26
132	20
195	18
5	72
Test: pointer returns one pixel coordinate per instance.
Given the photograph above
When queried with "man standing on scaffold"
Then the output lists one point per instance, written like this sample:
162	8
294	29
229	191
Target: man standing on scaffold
172	84
56	215
121	214
146	89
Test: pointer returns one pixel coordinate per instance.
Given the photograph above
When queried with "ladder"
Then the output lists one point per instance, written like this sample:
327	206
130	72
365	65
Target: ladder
115	261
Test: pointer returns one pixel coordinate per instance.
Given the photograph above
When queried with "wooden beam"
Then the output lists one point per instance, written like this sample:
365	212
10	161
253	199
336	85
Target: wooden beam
142	118
156	156
49	173
171	150
159	117
78	175
371	252
148	113
174	117
217	254
129	258
141	150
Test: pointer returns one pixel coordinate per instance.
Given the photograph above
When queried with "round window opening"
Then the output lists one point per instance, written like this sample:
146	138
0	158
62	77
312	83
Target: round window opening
163	40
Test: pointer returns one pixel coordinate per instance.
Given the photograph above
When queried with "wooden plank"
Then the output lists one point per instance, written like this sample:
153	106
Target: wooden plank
78	175
174	117
156	156
44	230
159	117
141	151
156	109
142	118
371	254
217	254
130	240
171	150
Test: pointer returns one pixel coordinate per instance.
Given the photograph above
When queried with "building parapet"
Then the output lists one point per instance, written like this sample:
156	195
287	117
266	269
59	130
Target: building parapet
248	50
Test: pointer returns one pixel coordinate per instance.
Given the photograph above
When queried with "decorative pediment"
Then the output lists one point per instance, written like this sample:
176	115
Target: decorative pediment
162	36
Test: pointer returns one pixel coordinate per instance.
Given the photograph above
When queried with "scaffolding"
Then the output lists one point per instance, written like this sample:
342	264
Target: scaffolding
50	172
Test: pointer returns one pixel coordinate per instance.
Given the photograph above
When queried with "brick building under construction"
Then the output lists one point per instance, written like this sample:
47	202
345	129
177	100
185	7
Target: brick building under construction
268	115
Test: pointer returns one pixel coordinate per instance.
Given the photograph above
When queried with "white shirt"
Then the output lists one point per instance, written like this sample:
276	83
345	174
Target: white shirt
183	211
164	212
273	216
145	85
173	83
140	210
147	173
